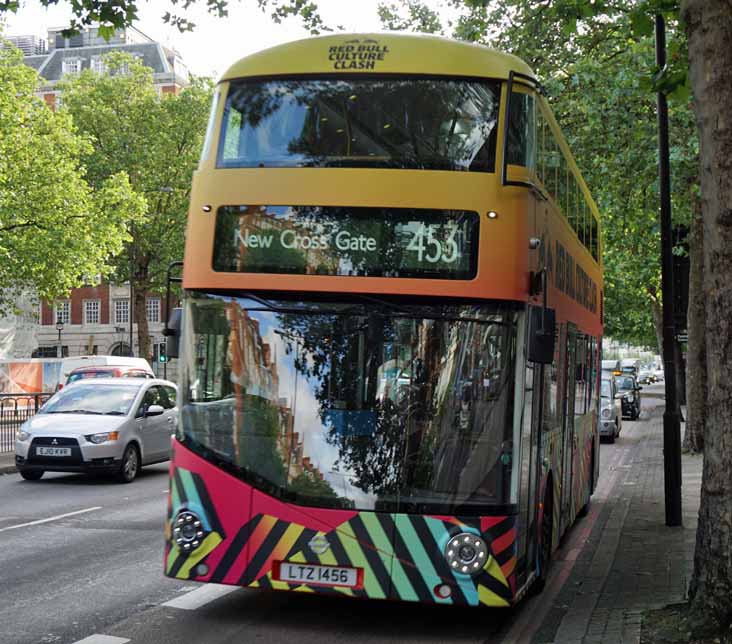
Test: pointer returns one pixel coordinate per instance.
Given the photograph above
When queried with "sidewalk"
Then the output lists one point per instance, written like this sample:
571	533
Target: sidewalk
631	562
7	463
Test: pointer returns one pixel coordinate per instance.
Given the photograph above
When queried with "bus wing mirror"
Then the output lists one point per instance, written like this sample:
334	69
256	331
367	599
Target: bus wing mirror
542	331
172	334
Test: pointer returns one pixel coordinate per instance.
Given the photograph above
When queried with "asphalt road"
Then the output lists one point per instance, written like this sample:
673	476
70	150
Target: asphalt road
81	561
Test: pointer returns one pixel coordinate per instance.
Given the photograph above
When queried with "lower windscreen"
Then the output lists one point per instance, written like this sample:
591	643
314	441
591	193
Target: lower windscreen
355	404
366	242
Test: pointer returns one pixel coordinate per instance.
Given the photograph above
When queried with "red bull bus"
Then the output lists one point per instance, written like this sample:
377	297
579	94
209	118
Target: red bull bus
389	345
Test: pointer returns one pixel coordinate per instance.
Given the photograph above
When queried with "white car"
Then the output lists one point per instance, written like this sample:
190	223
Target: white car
611	416
105	425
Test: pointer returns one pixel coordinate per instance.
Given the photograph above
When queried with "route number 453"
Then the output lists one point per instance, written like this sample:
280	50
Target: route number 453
433	247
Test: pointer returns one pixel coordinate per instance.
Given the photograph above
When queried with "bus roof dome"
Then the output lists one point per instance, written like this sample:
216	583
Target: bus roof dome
381	53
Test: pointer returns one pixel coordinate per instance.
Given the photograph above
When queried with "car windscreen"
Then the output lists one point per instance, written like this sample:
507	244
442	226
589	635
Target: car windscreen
606	389
419	123
625	383
113	400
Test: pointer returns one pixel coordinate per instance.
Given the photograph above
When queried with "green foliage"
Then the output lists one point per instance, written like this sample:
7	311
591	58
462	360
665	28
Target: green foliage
55	230
155	139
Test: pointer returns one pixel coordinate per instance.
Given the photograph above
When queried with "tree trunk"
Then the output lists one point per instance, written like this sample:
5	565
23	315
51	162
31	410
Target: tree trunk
709	29
657	313
696	358
142	288
143	329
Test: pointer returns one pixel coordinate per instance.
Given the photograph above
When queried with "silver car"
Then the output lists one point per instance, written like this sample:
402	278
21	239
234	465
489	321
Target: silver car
105	425
611	415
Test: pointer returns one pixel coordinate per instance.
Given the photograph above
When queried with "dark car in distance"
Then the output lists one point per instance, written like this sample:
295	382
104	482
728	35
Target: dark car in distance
630	396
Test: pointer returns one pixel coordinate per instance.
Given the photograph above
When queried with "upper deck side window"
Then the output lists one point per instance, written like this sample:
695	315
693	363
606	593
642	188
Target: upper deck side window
563	185
409	123
521	148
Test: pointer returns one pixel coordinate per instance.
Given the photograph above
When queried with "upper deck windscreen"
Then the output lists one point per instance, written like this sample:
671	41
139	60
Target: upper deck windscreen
416	123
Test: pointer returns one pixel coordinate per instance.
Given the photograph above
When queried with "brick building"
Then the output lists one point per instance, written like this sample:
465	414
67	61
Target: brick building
58	56
95	320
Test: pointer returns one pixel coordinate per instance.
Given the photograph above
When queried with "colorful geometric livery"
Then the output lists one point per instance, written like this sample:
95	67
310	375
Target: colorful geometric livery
401	556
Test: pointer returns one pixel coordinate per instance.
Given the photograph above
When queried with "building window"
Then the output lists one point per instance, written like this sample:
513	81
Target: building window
153	309
97	65
120	349
91	311
71	66
62	312
50	352
122	311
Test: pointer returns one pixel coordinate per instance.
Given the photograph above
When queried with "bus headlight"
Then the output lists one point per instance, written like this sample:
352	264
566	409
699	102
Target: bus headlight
466	553
188	531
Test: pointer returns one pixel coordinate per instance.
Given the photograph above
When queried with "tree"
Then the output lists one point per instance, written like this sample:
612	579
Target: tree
56	231
123	13
156	140
709	28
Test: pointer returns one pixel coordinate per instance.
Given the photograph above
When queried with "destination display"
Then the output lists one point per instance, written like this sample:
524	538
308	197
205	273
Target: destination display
345	241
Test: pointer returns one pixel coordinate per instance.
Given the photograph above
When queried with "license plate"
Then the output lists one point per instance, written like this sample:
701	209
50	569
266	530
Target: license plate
314	574
53	451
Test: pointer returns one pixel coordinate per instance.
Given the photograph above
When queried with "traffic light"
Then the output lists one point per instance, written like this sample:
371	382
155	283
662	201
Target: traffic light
161	352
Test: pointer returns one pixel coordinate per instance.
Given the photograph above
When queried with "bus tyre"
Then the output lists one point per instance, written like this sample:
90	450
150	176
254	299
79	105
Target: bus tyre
31	475
545	547
130	465
614	433
585	509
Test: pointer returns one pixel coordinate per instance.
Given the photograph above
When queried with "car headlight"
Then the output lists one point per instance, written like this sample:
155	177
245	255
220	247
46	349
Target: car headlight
606	413
22	435
103	437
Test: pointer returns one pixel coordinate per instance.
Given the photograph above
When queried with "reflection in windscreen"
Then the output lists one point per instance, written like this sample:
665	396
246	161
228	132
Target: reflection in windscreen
354	405
432	124
98	399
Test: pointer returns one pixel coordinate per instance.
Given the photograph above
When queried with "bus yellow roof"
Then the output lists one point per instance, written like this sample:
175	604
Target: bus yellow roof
381	53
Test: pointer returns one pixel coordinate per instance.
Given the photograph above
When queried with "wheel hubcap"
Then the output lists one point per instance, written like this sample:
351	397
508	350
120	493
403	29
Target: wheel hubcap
131	464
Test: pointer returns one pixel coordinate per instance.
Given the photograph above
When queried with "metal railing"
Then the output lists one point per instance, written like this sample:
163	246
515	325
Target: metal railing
15	409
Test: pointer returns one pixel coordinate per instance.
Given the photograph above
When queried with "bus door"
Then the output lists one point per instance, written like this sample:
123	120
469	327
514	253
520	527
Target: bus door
529	464
569	436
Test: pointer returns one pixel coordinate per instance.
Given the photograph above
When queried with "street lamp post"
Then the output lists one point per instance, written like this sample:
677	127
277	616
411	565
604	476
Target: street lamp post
59	328
132	294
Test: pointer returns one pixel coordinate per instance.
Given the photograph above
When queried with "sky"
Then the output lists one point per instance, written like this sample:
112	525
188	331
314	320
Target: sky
216	42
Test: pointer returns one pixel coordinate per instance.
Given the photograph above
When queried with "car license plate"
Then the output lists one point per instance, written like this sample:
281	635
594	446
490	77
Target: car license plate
315	574
53	451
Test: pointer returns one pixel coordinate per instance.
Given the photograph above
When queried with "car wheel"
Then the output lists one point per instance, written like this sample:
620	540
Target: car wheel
130	465
31	475
585	509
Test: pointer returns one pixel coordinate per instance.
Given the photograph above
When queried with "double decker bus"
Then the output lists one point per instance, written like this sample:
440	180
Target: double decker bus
389	344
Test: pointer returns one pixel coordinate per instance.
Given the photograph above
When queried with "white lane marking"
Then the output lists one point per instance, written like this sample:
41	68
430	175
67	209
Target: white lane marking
201	596
103	639
56	518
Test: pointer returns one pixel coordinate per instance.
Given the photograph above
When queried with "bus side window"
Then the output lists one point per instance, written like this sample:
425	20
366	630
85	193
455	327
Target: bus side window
562	187
552	164
551	391
541	137
594	241
580	375
521	149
